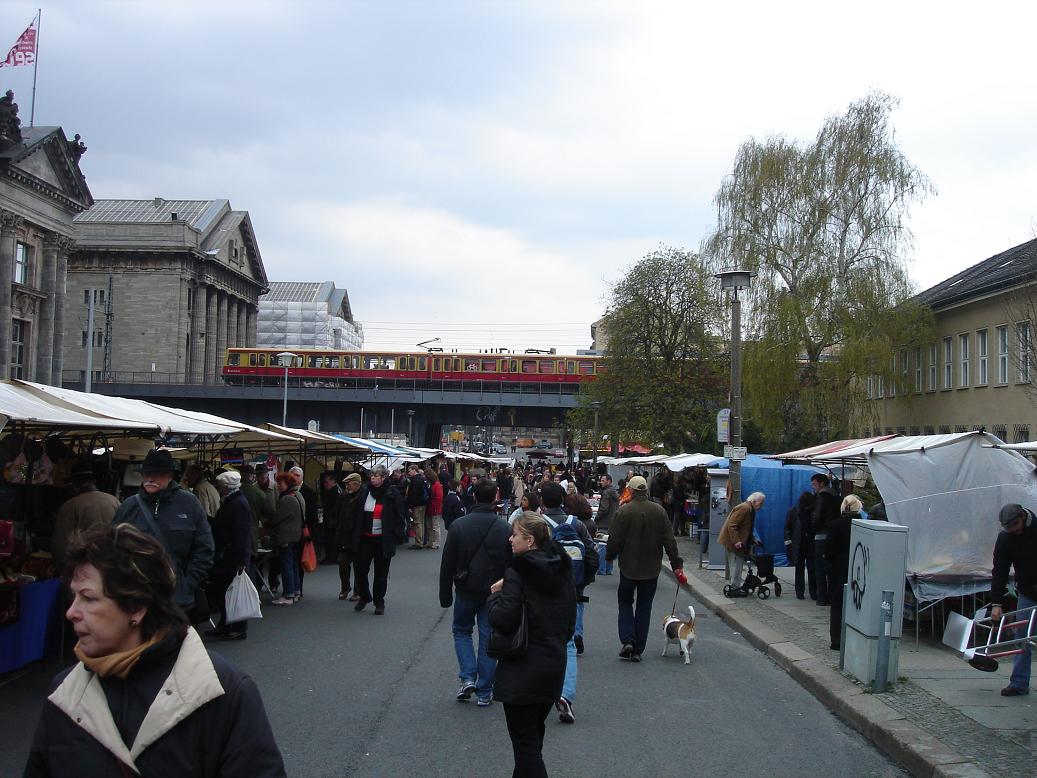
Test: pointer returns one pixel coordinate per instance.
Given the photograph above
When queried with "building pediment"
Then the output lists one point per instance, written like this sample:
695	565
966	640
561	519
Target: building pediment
232	243
47	162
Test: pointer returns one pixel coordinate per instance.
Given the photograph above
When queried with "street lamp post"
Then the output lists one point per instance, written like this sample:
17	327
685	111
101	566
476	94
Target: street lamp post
410	427
734	280
285	358
595	404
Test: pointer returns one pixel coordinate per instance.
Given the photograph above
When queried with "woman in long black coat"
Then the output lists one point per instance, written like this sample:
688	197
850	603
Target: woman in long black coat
540	575
837	557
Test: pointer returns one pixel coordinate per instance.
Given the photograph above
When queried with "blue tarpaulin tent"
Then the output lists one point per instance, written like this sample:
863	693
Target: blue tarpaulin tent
782	484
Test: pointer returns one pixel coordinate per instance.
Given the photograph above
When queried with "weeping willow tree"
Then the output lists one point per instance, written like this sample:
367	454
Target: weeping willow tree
664	374
823	226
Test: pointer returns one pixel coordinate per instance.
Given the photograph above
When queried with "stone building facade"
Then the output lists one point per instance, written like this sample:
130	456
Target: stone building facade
185	279
978	372
41	191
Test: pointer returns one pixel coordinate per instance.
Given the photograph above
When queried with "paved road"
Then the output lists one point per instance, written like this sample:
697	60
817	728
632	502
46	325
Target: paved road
352	694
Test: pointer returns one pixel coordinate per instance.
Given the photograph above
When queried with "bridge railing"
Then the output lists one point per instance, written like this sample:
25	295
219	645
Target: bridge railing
77	378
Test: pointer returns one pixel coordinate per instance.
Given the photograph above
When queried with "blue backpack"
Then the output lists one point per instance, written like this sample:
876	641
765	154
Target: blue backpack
566	536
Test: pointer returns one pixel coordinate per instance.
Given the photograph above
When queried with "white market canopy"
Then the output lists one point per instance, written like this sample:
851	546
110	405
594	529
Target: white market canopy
947	489
29	410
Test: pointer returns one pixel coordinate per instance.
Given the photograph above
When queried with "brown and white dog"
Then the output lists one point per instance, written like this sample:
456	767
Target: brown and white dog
682	632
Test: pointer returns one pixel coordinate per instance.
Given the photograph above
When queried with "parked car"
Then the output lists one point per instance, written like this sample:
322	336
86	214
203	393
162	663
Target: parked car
499	448
543	444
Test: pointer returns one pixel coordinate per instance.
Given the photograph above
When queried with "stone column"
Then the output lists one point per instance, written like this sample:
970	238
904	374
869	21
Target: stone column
210	336
250	326
65	245
221	334
9	223
242	329
198	304
45	322
232	322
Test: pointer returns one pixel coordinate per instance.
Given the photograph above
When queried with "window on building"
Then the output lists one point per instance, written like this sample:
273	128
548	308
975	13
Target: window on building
918	369
932	367
869	387
1000	431
893	376
1022	334
948	365
963	360
880	387
98	338
19	348
1002	354
904	367
1022	433
22	257
929	430
916	431
981	358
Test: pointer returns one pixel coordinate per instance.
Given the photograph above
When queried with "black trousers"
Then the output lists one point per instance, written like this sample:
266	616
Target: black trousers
371	551
806	578
526	728
345	567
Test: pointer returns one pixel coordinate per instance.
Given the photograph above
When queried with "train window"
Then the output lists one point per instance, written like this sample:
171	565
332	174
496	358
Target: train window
234	359
561	366
489	365
252	360
435	364
422	363
513	365
315	362
262	360
504	366
471	365
586	368
547	365
457	364
332	362
570	367
529	365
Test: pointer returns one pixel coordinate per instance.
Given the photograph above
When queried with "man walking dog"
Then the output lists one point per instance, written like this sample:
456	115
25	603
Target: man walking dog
474	556
639	534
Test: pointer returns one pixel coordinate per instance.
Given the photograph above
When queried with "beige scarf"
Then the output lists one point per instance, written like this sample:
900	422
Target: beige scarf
120	663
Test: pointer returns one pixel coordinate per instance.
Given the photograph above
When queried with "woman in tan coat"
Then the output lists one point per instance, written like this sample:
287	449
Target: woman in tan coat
736	536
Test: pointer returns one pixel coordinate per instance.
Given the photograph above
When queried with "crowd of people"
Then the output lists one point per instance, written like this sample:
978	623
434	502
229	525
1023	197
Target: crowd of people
520	547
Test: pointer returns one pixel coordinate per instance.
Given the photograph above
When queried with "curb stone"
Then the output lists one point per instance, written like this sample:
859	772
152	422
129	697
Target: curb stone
914	749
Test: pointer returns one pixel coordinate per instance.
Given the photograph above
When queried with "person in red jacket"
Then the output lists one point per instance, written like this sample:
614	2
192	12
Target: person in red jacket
434	509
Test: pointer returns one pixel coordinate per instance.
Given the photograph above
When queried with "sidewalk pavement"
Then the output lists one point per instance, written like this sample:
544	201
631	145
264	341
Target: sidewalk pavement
942	718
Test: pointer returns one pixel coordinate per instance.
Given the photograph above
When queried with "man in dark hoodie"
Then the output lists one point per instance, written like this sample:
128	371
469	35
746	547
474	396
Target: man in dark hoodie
474	557
1016	546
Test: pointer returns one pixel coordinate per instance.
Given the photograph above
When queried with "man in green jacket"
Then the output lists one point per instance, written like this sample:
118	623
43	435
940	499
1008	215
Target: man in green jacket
639	534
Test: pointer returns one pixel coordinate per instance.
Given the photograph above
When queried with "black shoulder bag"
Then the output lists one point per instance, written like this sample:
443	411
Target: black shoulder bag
461	575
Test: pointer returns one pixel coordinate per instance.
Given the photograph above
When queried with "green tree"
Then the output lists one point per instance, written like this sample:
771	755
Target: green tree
664	374
823	226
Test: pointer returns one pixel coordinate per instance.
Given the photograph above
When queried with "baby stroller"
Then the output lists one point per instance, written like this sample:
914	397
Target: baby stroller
760	572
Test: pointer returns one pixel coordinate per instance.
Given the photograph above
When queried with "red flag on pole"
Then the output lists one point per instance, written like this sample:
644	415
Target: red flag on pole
23	52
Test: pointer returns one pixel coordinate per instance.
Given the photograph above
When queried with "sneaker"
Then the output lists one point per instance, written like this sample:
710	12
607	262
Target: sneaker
578	640
627	651
1011	691
466	691
484	702
565	711
283	601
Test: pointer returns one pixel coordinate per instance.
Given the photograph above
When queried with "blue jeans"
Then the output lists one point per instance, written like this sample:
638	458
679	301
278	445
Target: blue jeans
1021	663
579	618
633	627
569	684
289	575
604	568
482	670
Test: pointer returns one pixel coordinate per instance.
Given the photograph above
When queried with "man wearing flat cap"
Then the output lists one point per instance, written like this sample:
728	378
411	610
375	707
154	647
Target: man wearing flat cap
89	506
176	519
1016	547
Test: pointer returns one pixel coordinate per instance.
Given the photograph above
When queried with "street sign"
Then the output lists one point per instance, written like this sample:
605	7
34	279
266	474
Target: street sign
724	425
737	453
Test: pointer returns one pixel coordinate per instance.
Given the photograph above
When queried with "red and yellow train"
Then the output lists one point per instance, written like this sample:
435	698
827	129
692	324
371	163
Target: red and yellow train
244	365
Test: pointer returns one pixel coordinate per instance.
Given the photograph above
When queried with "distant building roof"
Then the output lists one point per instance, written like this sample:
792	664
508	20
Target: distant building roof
993	275
337	300
197	213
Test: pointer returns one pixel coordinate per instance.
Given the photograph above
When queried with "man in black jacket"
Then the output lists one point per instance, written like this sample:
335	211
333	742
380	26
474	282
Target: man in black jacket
826	509
1016	547
474	556
232	534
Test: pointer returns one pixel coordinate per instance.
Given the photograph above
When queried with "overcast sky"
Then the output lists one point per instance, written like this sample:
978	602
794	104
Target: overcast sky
481	171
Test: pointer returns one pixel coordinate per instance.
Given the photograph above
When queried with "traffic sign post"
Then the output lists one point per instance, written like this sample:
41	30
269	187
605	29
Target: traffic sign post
736	453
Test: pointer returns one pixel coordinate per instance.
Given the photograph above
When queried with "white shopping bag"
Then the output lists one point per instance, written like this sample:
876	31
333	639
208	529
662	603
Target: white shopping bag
242	599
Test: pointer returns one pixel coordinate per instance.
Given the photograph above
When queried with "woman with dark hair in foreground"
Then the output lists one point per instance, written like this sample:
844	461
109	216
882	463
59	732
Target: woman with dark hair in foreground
146	697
